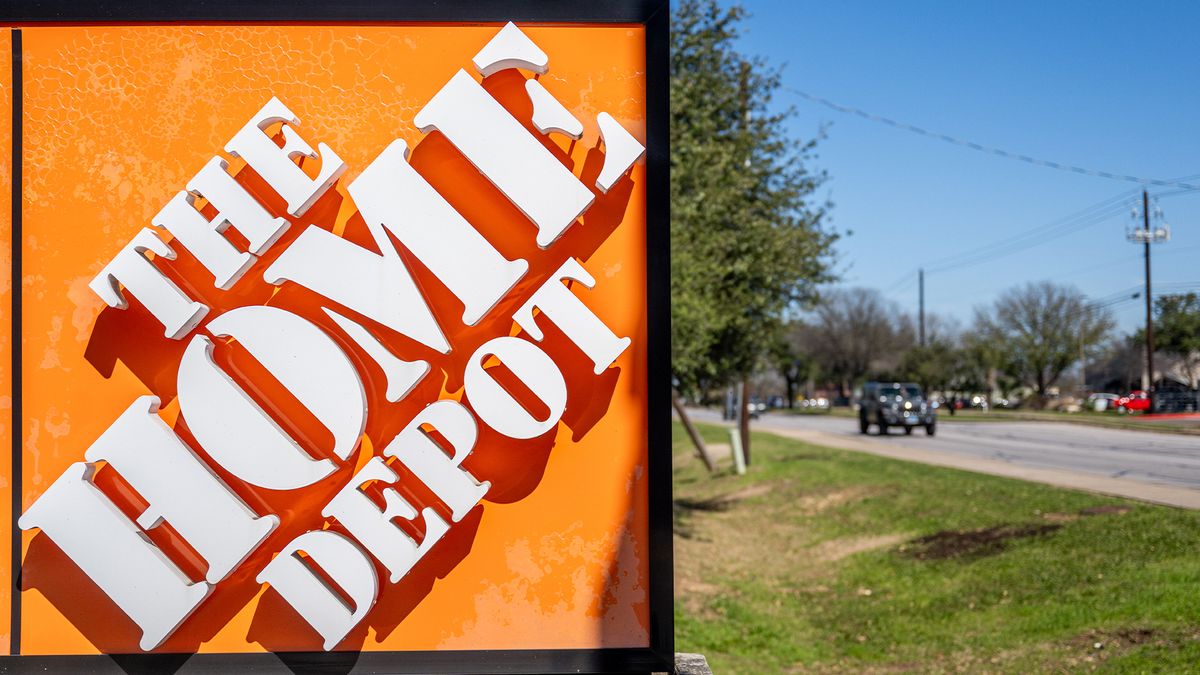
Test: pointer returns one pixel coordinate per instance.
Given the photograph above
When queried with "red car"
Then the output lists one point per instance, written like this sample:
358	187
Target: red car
1136	401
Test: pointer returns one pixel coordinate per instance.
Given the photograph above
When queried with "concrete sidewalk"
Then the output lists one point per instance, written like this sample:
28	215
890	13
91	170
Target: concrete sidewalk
895	448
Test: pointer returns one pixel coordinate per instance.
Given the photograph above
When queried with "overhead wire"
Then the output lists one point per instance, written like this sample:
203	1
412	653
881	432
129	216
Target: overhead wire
954	140
1080	220
1106	302
1034	236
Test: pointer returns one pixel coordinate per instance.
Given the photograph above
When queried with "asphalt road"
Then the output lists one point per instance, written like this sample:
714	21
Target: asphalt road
1143	456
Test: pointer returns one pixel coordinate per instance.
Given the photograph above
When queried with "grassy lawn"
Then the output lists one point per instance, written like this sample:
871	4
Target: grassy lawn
1102	419
822	560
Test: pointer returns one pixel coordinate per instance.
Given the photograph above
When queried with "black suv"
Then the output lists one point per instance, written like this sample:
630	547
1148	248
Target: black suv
895	404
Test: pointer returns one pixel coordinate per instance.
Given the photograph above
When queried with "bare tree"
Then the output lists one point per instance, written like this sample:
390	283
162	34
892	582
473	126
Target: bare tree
855	331
1043	328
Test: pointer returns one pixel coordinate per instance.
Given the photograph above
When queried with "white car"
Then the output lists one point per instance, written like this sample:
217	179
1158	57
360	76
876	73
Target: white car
1102	402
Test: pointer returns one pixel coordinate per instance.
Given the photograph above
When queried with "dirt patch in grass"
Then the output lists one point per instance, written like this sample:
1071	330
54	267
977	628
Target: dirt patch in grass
975	543
710	505
815	503
1105	510
1087	650
750	492
1055	517
722	502
684	509
713	536
836	549
1122	637
753	532
694	589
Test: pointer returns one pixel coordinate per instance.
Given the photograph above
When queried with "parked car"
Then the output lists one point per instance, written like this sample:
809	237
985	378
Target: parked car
819	403
1102	402
1136	401
756	407
895	404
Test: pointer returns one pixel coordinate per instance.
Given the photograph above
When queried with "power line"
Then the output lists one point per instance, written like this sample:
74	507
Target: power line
1135	293
905	282
1109	301
1036	236
988	149
1098	306
1170	288
1084	218
1130	293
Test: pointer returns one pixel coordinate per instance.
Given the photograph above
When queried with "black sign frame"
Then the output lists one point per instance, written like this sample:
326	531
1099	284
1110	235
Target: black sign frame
654	16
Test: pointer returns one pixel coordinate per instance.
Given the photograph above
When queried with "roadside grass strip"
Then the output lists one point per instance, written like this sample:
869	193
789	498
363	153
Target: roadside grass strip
1187	424
822	560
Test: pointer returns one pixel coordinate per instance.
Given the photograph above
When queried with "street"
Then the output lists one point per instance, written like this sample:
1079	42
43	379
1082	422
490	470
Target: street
1127	460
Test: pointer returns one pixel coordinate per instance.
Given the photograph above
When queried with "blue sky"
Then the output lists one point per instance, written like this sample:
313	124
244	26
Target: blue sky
1104	85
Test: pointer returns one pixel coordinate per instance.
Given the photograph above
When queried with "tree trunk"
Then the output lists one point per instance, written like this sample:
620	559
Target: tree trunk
790	385
701	449
744	419
991	386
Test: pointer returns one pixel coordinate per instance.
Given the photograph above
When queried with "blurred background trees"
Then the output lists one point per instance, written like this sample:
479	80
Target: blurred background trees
856	331
1036	341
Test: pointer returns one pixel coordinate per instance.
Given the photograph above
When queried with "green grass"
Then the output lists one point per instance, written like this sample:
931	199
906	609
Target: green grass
1111	420
810	563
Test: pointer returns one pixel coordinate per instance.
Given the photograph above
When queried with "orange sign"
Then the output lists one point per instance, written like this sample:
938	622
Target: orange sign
337	341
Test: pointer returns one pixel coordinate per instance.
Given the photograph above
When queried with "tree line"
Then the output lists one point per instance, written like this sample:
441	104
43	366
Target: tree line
1027	340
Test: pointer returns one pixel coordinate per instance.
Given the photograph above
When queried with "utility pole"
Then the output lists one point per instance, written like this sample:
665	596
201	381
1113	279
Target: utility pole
1149	303
1146	236
921	304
